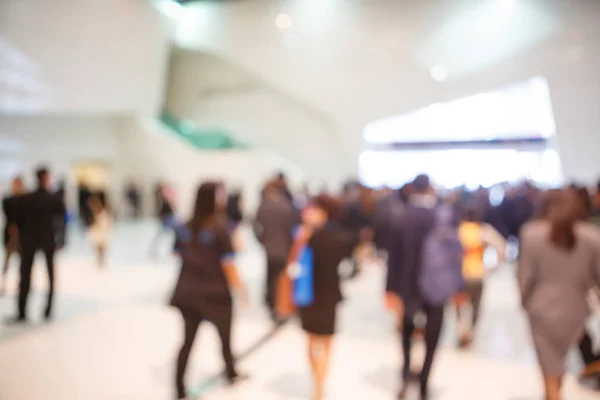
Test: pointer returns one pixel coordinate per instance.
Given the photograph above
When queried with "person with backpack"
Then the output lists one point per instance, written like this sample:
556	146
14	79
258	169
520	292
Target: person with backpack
407	284
475	236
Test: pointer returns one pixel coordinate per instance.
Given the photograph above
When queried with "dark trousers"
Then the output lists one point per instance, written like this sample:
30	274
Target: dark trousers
27	258
587	350
435	318
274	270
474	289
221	317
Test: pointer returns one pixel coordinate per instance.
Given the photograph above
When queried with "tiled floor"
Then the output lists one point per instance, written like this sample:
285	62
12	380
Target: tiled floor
114	338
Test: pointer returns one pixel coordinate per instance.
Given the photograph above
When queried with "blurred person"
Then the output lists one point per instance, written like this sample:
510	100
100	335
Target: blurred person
590	357
100	228
11	232
282	183
596	206
475	236
166	217
403	295
235	217
559	258
84	194
389	204
273	227
330	243
60	223
133	197
359	213
234	209
36	213
208	276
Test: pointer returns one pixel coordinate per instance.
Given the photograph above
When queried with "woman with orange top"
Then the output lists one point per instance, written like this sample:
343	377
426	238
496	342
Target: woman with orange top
475	236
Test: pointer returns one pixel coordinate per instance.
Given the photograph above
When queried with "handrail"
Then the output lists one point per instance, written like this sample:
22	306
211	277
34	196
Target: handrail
216	139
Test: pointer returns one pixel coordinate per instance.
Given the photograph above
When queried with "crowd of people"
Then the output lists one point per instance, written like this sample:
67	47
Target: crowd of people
434	245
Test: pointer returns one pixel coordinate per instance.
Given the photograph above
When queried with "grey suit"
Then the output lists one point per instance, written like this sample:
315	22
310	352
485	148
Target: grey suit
554	284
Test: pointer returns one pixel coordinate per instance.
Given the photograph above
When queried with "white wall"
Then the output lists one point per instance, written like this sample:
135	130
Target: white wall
82	56
215	93
150	153
60	142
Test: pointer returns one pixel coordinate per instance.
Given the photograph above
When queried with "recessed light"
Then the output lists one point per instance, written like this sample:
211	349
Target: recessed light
438	73
283	22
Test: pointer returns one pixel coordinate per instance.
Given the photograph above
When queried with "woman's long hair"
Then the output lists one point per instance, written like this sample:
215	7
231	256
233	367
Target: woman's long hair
560	209
204	208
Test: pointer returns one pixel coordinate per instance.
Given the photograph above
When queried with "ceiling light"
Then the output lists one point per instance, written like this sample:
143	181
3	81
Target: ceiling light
506	3
283	22
438	73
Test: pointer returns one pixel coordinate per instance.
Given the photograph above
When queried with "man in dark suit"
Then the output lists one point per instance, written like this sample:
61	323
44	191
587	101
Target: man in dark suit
37	212
407	235
273	227
11	233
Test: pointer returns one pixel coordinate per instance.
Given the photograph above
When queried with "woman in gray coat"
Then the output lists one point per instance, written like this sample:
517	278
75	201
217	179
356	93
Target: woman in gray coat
559	260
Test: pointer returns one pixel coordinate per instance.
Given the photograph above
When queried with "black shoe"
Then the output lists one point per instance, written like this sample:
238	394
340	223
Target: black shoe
238	378
16	320
48	315
424	394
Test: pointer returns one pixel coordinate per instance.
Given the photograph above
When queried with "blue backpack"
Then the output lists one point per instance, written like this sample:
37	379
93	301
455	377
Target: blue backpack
304	287
442	260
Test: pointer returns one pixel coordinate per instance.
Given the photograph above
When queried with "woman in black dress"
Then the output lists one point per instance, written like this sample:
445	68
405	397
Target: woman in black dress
330	244
207	278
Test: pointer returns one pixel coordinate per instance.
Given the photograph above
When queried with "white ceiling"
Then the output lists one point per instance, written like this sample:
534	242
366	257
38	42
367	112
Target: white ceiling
362	60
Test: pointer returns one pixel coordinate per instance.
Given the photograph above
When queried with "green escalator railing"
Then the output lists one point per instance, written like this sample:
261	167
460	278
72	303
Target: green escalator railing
206	139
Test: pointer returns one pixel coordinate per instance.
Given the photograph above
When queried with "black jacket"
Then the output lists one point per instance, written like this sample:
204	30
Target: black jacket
9	207
37	213
405	245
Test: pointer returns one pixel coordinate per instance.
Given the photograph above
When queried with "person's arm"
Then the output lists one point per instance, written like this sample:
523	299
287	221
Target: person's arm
301	238
5	209
526	268
233	279
492	238
258	226
596	265
227	255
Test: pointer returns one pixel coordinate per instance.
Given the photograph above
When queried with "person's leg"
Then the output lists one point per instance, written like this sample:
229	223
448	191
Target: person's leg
8	250
27	257
476	293
270	287
191	323
433	330
319	355
49	253
274	270
591	360
101	253
552	386
408	327
223	321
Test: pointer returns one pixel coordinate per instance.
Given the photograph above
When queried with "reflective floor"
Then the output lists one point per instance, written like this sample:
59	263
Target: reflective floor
114	338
